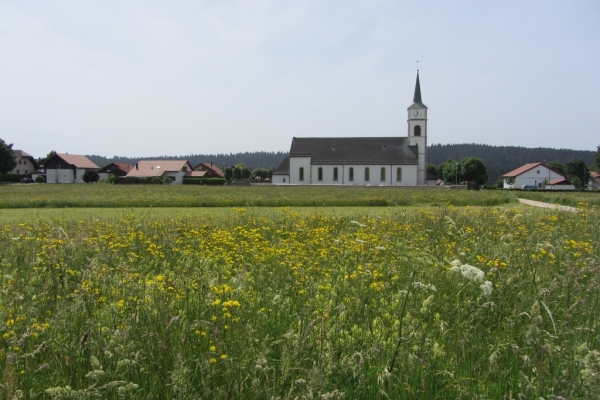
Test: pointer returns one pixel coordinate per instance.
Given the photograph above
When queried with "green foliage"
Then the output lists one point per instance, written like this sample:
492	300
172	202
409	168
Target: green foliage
261	173
112	179
10	178
577	173
7	157
91	176
167	180
449	171
430	303
40	179
558	167
157	180
473	170
431	168
204	181
228	173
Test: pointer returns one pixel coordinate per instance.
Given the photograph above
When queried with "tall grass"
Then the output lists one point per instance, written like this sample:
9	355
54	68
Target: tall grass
103	195
482	303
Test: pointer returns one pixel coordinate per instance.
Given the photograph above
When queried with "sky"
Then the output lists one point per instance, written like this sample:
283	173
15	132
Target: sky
153	78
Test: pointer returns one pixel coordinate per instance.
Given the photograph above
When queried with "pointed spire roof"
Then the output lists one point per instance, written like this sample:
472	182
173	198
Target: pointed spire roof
417	96
417	101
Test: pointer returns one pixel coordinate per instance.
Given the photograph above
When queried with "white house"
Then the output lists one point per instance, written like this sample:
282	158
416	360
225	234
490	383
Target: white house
377	161
173	169
535	175
594	180
26	164
67	168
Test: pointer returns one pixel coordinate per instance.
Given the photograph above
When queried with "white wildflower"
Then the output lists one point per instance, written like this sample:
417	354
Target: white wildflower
424	286
379	248
360	241
456	263
487	288
357	224
472	273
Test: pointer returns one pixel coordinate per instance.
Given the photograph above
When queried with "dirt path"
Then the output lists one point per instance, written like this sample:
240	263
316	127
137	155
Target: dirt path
547	205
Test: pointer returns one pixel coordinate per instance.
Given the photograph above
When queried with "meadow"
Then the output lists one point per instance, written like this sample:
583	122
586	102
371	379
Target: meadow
423	302
108	196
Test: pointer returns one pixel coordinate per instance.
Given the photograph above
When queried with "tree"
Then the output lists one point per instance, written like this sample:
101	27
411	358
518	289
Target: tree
473	170
449	172
596	165
577	172
237	172
558	167
431	168
91	176
246	173
43	160
228	171
7	157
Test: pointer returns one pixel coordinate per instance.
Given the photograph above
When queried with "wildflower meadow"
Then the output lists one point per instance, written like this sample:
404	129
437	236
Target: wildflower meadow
431	303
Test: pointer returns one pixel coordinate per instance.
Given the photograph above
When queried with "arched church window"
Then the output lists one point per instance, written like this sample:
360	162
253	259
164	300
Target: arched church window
351	174
335	174
399	174
320	174
417	130
367	174
382	174
301	174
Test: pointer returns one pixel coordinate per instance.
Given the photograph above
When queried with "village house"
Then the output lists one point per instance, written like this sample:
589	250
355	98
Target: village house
211	171
594	180
116	169
26	164
536	175
381	161
67	168
172	169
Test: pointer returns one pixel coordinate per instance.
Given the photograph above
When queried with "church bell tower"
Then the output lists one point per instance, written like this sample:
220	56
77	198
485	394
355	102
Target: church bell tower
417	131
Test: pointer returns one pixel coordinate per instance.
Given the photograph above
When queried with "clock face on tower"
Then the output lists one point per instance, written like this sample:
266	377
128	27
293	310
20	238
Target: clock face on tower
417	114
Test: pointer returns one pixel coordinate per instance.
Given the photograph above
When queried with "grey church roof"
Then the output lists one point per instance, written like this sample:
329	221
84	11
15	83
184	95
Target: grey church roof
284	167
355	150
417	101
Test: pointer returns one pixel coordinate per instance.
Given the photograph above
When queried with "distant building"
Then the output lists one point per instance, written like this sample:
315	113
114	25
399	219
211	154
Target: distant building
67	168
26	164
211	171
378	161
594	180
537	175
173	169
116	169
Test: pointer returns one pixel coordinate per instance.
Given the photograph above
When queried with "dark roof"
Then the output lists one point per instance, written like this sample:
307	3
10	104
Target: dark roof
121	166
417	101
431	176
355	150
284	167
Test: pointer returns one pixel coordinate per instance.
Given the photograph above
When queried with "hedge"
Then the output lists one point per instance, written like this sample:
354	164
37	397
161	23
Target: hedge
13	177
204	181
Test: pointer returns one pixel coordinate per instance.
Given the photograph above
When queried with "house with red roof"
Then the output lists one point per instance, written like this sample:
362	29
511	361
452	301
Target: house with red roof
536	175
211	171
116	169
172	169
67	168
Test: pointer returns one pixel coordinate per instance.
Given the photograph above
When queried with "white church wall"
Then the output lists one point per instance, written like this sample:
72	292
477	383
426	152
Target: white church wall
295	164
281	179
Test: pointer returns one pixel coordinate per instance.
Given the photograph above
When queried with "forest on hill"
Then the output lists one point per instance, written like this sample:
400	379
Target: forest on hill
502	159
498	159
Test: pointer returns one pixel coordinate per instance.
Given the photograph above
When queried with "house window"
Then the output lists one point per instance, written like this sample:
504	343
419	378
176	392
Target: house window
382	174
335	174
399	174
417	130
367	174
17	172
320	174
538	171
301	173
351	174
184	169
283	180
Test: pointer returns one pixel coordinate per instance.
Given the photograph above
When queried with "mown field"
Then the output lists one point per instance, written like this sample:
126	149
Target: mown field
437	302
104	195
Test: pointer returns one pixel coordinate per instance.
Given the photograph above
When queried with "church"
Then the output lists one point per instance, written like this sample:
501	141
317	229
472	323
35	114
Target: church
377	161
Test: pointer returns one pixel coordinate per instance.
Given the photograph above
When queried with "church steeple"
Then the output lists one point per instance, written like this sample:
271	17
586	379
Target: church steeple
417	97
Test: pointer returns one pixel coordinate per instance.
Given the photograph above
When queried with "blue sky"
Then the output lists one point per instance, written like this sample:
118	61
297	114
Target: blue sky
144	78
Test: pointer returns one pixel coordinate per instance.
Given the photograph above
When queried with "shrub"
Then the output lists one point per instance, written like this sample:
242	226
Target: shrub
157	180
204	181
112	179
12	177
40	179
91	176
167	180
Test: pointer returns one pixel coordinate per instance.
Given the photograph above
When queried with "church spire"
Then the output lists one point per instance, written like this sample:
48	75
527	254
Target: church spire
417	97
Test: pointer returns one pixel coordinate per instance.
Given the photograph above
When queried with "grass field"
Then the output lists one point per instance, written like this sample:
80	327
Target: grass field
104	195
431	302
